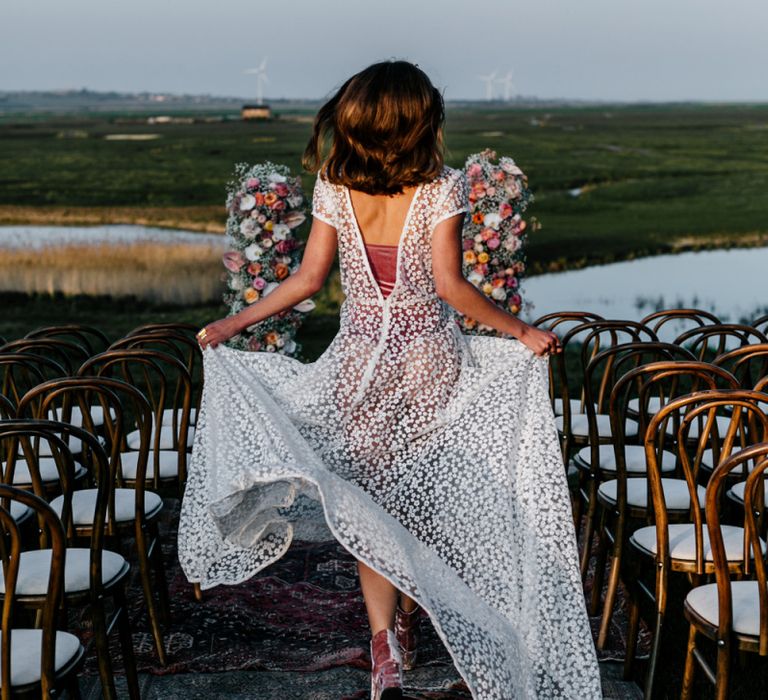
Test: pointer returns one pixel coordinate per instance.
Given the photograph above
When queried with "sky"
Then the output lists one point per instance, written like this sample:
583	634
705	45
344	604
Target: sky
627	50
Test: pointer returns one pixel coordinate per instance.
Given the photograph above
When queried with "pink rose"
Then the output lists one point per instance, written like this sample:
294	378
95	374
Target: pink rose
284	247
468	244
493	243
505	210
281	189
233	260
278	205
252	183
254	344
259	283
512	282
491	191
516	299
475	170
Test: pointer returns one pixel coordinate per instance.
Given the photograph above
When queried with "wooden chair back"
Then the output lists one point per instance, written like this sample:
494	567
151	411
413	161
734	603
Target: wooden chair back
702	407
10	552
92	339
754	556
761	324
748	363
66	353
708	342
670	321
20	371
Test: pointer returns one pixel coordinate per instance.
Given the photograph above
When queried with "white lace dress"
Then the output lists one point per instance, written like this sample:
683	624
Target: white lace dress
431	455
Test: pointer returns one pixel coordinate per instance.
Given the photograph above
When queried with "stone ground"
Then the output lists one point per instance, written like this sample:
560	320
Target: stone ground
335	684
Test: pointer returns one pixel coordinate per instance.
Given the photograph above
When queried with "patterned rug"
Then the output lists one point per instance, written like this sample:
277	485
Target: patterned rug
303	613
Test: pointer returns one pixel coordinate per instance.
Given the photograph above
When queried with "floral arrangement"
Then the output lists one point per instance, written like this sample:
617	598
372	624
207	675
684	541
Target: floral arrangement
494	233
265	206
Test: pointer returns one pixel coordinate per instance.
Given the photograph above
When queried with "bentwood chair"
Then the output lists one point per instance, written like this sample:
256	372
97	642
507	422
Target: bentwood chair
93	575
732	612
165	382
67	353
132	511
668	548
748	363
35	662
709	342
624	500
19	372
90	338
596	459
671	320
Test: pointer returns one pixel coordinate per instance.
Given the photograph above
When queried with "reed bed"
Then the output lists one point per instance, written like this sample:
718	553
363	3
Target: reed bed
178	273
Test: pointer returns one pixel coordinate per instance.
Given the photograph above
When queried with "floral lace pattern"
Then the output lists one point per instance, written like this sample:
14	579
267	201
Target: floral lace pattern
430	455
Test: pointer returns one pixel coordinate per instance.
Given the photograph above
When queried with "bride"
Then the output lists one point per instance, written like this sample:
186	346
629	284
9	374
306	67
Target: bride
431	455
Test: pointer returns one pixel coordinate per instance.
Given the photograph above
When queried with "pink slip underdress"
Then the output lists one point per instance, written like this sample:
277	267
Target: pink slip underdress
383	261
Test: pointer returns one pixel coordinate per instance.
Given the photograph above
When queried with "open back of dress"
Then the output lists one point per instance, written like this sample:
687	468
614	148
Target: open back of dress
431	455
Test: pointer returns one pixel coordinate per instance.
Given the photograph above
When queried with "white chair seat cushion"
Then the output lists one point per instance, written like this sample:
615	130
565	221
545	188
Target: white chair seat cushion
654	404
169	464
96	411
74	444
737	491
580	425
84	505
745	605
722	422
26	654
682	541
634	456
168	416
166	438
35	568
46	467
18	510
576	406
676	494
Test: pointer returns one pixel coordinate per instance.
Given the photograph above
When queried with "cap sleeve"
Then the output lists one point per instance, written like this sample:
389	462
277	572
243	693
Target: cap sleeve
453	198
323	202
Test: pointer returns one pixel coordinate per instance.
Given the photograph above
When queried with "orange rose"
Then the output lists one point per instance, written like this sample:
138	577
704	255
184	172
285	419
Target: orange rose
470	322
498	282
469	257
270	198
254	268
259	199
478	217
271	338
281	271
483	258
250	295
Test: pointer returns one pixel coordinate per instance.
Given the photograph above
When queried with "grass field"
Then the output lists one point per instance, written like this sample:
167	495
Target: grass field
653	178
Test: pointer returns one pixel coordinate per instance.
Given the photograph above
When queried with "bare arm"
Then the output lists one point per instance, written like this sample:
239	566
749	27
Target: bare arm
316	262
463	296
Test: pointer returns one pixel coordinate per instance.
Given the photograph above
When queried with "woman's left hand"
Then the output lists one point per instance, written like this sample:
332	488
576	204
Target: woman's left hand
216	332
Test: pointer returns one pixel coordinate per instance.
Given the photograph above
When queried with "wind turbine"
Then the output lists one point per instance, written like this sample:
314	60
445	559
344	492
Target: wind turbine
506	81
261	79
488	80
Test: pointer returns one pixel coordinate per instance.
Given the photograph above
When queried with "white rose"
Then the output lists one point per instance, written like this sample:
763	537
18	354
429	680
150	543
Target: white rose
478	238
235	282
294	200
512	243
305	306
248	228
492	220
508	166
270	348
280	232
290	346
267	243
499	293
479	247
276	177
280	341
475	278
247	202
253	251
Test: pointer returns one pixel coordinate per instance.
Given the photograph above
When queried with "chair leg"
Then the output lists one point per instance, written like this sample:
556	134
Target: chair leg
613	584
156	557
589	527
653	661
98	617
198	592
149	599
690	666
600	559
633	626
723	672
126	643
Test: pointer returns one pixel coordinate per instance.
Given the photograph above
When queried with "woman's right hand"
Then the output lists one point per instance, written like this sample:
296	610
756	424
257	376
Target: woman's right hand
217	332
541	342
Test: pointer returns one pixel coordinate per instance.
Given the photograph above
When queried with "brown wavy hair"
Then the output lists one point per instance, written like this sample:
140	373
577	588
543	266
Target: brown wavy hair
385	127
